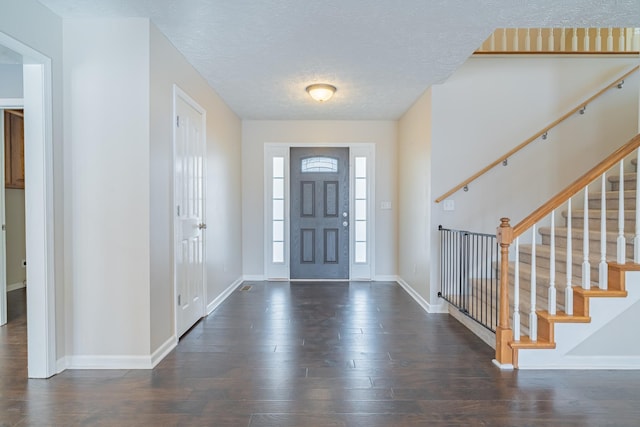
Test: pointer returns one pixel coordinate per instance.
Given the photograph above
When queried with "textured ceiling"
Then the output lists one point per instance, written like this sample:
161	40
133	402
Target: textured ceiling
259	55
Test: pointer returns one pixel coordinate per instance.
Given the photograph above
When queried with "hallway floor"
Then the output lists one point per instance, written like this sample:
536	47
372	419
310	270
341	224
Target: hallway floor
315	354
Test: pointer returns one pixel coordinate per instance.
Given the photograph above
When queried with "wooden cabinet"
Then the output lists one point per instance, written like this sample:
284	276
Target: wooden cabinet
13	149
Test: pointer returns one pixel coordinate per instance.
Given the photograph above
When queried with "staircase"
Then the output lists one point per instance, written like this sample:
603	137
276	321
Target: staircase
573	258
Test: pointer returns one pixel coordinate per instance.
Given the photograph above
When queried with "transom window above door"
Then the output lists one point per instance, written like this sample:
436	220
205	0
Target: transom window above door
319	164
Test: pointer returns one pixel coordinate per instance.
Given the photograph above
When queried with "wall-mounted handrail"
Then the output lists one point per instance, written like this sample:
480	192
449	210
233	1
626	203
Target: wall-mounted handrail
537	135
576	186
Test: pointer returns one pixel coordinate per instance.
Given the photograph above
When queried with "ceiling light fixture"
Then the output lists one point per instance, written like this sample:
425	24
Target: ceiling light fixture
321	92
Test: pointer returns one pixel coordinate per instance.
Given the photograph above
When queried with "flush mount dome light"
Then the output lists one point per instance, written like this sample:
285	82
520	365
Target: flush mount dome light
321	92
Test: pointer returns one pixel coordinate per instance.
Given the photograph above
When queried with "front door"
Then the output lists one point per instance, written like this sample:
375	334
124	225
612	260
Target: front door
189	170
319	213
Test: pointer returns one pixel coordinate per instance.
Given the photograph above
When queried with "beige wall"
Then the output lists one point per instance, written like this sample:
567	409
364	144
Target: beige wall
224	205
14	217
255	133
414	194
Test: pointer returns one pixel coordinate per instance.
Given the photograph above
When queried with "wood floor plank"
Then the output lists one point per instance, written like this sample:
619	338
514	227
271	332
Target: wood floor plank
314	355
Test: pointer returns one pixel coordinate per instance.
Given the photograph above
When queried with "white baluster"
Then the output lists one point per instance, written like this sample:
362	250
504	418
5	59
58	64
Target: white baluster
568	292
527	40
563	40
551	41
533	319
621	242
504	39
602	268
586	41
636	238
636	40
516	294
610	40
574	40
598	40
516	40
621	40
586	267
552	266
539	40
629	39
492	42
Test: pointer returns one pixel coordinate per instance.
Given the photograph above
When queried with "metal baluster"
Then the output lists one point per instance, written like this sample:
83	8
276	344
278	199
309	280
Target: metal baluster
602	268
598	40
552	266
621	242
586	267
568	292
516	293
636	238
533	319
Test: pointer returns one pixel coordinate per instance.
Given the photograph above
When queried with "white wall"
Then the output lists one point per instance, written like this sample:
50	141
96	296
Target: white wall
414	195
256	133
106	99
224	204
491	104
10	81
30	23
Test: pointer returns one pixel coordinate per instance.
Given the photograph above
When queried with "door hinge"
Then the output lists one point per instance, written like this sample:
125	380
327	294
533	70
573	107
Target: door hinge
178	210
177	121
3	227
179	299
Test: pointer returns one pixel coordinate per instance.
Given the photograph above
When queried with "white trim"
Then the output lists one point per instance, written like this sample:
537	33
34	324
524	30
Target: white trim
429	308
223	296
386	278
3	238
11	102
108	362
503	366
179	93
256	278
590	362
16	286
162	351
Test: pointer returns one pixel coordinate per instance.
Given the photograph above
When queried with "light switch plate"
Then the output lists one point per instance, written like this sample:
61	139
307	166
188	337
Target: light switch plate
385	205
449	205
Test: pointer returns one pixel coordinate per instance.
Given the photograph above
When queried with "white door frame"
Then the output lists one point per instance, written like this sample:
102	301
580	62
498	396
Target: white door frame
355	150
179	93
41	315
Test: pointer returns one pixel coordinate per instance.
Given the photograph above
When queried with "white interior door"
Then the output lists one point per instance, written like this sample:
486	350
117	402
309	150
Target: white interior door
189	175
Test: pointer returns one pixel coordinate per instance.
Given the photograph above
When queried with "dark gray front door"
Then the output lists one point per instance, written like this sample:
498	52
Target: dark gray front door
319	213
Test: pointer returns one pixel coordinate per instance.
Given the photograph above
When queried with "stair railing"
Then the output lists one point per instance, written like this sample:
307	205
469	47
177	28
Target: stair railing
543	133
562	40
508	235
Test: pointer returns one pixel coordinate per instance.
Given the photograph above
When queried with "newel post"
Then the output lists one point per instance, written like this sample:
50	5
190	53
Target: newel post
504	334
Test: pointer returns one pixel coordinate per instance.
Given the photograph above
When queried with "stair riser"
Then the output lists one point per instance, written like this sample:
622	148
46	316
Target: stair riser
594	246
612	224
542	263
612	203
629	184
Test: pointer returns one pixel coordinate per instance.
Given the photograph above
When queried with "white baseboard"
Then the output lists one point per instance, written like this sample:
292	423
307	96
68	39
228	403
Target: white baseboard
253	278
385	278
108	362
429	308
503	366
224	295
163	350
590	362
16	286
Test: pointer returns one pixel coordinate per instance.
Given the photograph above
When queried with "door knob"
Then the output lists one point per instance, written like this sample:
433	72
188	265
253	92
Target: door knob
202	226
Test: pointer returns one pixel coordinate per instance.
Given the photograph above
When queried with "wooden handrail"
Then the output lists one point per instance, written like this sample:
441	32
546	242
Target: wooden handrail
576	186
538	134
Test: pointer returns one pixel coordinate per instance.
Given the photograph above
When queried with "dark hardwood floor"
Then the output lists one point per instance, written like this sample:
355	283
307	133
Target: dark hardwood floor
316	354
